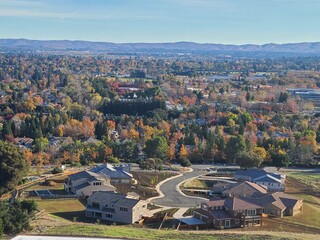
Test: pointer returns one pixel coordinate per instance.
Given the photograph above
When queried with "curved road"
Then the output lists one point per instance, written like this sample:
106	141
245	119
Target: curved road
175	198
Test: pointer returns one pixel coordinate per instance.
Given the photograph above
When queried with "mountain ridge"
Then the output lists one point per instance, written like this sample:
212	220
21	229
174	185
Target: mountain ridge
21	43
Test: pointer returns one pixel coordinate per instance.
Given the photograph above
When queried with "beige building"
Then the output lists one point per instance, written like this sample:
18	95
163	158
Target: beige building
84	184
115	207
279	204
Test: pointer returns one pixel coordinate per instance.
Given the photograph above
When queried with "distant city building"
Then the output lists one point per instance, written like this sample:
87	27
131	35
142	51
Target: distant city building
306	93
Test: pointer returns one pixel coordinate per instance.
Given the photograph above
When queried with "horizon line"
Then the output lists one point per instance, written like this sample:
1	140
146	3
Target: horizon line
164	42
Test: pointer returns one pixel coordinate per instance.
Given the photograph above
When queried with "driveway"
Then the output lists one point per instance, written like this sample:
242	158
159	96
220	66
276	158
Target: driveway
173	197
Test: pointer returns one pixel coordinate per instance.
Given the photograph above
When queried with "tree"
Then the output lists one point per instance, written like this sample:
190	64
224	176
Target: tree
283	97
183	151
16	217
13	166
248	160
41	144
157	147
235	146
185	162
1	228
280	159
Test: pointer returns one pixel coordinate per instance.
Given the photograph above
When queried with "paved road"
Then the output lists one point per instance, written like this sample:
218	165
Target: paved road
173	197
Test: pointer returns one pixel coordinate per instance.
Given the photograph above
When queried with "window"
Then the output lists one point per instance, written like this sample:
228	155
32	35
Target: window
237	221
108	215
95	205
227	223
123	209
251	212
96	183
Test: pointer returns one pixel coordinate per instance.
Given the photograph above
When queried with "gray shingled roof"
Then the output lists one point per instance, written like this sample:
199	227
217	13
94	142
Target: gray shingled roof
220	214
111	171
83	185
257	173
84	174
113	198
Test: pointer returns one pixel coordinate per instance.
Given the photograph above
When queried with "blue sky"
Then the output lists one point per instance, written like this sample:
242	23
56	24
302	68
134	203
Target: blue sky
210	21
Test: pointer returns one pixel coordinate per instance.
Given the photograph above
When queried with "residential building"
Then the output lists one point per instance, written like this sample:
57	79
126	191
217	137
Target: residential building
115	207
84	184
278	204
230	212
116	174
244	189
267	177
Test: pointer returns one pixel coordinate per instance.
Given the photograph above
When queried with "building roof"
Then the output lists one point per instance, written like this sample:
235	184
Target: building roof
268	178
245	189
255	174
233	203
84	174
220	214
111	172
236	204
113	198
83	185
277	199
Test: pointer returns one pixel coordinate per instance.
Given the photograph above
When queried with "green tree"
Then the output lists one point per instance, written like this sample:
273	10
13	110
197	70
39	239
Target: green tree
248	160
157	147
41	144
16	217
1	228
185	162
280	159
235	146
13	166
283	97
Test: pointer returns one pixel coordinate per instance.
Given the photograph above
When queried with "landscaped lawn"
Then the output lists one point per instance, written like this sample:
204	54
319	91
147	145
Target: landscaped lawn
309	217
58	206
196	184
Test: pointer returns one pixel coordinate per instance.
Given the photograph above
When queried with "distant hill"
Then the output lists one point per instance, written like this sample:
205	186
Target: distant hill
65	45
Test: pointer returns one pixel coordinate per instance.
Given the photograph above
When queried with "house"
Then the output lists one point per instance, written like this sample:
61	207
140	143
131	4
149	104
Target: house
230	212
116	174
244	189
278	204
23	143
267	177
115	207
84	184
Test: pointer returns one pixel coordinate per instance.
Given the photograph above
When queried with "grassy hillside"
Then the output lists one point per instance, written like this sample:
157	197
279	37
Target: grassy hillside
142	233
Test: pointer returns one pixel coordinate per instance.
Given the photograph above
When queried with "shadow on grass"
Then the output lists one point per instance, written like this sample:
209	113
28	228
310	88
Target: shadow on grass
76	216
80	216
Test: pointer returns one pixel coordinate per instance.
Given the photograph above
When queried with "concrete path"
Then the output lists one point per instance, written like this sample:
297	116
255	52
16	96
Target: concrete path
179	213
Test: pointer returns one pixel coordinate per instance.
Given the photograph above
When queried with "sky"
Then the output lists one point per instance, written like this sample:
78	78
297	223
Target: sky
203	21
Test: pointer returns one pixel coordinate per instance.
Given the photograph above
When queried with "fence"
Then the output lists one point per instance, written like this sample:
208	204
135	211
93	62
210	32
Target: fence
57	196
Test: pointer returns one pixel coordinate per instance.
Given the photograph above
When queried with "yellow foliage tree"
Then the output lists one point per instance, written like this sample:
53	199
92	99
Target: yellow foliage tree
183	151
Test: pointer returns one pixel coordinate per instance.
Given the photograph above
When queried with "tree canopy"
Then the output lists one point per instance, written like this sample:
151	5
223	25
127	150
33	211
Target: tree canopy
13	166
